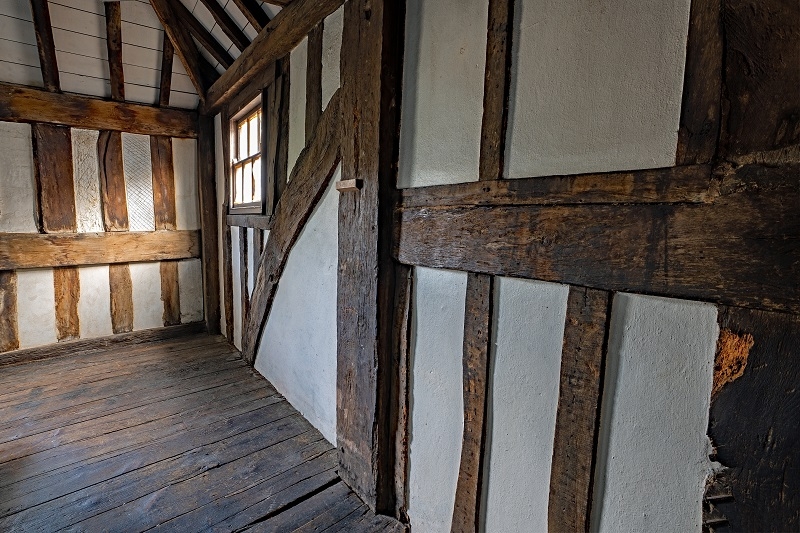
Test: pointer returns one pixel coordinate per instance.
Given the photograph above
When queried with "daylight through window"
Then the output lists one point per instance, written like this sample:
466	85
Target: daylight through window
246	183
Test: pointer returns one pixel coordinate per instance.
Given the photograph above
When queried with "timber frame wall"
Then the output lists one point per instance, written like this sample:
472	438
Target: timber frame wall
720	226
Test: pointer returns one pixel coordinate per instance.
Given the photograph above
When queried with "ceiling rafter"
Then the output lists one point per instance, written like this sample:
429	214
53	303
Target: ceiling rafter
44	41
203	36
114	46
253	12
226	23
167	55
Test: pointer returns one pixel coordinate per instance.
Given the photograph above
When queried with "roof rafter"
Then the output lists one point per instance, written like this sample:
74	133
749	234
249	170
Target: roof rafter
114	46
45	44
226	23
203	36
253	12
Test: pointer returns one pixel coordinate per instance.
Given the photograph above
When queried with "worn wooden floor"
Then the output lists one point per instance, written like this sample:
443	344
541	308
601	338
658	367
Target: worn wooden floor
175	435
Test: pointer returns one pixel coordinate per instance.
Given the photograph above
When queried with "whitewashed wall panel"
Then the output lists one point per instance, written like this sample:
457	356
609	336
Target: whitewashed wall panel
148	309
94	305
190	282
36	311
86	172
17	187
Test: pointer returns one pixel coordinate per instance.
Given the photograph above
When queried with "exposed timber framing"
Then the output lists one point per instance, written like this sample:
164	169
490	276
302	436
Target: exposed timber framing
702	86
165	216
314	79
207	191
229	27
227	268
28	104
253	13
38	250
244	273
310	177
9	331
261	222
44	42
578	416
114	47
276	40
401	400
742	249
371	68
478	318
203	36
167	56
27	355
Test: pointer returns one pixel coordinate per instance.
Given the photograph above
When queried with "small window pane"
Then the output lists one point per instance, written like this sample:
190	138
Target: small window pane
257	179
254	129
237	185
243	141
247	185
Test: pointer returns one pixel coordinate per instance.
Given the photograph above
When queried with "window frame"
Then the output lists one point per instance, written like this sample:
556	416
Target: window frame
244	115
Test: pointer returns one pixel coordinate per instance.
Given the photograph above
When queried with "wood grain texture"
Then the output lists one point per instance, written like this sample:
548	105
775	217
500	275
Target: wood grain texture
201	34
227	268
276	40
690	184
251	91
742	249
28	104
114	47
170	293
403	304
282	159
244	272
229	27
314	79
113	195
45	44
578	415
496	87
164	209
702	85
371	78
762	52
67	289
165	85
262	222
32	250
478	316
310	177
121	288
207	191
270	112
52	151
753	426
253	13
9	332
185	47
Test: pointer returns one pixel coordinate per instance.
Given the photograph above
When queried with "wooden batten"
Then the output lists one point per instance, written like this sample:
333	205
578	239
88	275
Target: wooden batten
31	105
207	191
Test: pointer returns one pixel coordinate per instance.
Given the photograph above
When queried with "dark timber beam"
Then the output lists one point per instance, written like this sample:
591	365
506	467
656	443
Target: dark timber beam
207	191
114	47
314	79
229	27
253	13
28	104
44	42
202	35
227	268
276	40
167	56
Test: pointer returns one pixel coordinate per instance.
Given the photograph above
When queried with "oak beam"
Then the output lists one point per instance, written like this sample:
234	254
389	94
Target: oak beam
114	47
227	250
253	13
167	56
229	27
28	104
276	40
203	36
9	331
260	222
44	42
37	250
207	191
314	79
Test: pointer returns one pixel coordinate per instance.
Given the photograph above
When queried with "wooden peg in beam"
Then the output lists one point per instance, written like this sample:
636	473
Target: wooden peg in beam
349	185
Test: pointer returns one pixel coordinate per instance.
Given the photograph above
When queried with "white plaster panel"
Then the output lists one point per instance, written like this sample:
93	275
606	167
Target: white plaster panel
94	305
190	292
653	450
436	403
138	168
237	287
36	307
596	85
442	91
184	162
297	102
331	53
17	189
297	352
87	181
222	225
526	368
148	309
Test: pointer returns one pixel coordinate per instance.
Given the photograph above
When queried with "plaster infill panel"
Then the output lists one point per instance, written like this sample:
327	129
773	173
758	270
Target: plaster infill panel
148	308
184	162
436	398
442	106
523	390
331	52
653	451
138	168
297	352
596	86
94	305
190	290
298	62
17	186
36	307
86	170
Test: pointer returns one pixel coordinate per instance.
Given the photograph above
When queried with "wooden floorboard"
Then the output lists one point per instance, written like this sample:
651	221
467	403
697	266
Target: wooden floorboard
172	435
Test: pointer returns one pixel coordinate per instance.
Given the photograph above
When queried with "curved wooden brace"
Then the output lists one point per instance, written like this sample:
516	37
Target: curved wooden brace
309	179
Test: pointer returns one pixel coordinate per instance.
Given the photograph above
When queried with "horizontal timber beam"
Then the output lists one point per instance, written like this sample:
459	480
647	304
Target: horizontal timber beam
277	39
19	103
742	249
37	250
688	184
263	222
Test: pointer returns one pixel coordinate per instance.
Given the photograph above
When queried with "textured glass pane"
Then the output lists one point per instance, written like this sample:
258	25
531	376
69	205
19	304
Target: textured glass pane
254	135
237	185
247	184
257	179
242	140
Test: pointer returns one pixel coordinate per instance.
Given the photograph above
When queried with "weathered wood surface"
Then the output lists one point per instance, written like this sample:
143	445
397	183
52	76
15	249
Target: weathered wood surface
121	289
276	40
253	13
313	79
762	52
165	217
742	249
270	114
403	304
229	27
282	159
67	293
201	34
244	273
310	177
702	85
496	87
689	184
251	91
227	268
33	250
28	104
577	419
165	85
207	192
371	77
753	426
9	331
262	222
45	44
114	47
478	318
